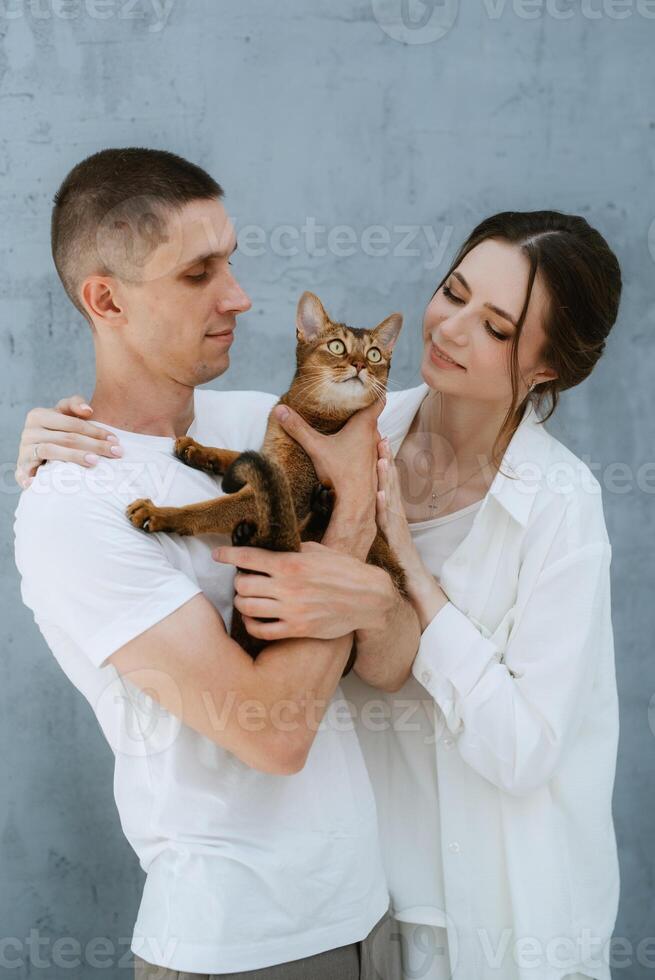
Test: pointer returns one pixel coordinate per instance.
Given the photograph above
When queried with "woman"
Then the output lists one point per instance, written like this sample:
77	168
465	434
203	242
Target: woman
493	766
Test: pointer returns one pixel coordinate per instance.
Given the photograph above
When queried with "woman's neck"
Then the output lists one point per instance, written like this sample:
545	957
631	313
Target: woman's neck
468	428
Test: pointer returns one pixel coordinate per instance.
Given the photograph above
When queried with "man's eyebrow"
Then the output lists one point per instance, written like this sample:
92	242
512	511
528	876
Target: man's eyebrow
205	256
490	306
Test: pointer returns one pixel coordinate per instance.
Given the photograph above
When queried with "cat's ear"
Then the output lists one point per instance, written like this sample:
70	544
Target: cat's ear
386	333
311	318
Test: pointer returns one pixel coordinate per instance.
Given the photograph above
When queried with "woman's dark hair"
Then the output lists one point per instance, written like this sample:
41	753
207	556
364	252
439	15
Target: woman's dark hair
582	279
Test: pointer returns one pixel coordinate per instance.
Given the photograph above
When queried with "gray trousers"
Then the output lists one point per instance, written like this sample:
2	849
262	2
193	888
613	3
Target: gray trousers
377	957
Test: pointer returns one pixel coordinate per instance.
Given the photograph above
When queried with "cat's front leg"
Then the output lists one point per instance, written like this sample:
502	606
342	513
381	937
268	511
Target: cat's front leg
148	517
217	516
205	458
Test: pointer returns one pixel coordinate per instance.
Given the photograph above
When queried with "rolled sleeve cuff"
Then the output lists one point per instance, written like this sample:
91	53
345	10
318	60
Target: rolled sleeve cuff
452	648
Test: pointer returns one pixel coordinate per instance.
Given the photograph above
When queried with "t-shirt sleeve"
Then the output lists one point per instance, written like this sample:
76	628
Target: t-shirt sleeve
86	571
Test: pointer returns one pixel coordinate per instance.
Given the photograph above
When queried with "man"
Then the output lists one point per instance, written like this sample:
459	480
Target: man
250	811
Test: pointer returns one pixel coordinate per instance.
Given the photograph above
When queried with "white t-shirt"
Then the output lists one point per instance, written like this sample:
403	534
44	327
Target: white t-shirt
244	869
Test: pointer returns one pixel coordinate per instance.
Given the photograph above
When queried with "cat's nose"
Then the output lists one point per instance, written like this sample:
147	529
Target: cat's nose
359	366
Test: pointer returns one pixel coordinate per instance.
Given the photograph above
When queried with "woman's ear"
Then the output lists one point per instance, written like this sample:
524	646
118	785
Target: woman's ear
386	333
98	295
311	318
545	374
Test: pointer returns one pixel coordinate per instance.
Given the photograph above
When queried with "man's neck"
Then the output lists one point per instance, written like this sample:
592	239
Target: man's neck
154	407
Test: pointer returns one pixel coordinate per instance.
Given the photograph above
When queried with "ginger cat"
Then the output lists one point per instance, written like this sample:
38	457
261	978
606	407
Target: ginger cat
273	498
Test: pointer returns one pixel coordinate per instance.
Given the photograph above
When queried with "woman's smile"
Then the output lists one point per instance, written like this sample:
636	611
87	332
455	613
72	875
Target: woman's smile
441	359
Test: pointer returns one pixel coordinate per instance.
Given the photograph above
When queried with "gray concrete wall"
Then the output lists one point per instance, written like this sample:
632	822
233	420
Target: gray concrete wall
317	114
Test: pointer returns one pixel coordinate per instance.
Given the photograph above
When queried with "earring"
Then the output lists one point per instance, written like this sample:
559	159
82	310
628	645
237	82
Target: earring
531	386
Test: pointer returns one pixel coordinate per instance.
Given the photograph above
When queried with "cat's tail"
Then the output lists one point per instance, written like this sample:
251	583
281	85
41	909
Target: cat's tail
276	525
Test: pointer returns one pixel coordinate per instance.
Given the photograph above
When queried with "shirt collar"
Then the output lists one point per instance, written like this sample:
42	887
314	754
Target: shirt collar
520	474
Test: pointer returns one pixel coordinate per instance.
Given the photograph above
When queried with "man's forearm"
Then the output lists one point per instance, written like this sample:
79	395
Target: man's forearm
385	655
299	676
296	679
351	531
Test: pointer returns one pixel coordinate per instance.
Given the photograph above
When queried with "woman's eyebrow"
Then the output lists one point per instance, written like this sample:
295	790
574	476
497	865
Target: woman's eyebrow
490	306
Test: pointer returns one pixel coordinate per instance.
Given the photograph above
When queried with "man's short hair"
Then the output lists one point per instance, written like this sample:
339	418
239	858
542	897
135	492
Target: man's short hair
111	211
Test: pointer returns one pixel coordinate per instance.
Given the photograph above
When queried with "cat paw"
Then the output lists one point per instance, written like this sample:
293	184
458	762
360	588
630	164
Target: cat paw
322	501
188	451
143	514
243	534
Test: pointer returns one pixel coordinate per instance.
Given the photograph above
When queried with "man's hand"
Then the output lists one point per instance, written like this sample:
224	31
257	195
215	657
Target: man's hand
317	593
63	433
346	460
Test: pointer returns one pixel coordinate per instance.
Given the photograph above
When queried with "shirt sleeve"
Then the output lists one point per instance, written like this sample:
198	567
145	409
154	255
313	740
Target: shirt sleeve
85	570
514	702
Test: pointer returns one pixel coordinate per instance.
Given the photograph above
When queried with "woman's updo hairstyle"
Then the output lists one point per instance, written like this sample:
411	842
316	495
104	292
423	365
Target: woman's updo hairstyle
582	279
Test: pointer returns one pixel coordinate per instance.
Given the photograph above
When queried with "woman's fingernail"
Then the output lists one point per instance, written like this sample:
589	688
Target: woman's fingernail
281	412
91	458
110	437
116	451
86	408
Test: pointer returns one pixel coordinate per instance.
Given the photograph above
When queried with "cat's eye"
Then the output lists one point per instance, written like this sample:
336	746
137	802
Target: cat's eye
374	355
336	347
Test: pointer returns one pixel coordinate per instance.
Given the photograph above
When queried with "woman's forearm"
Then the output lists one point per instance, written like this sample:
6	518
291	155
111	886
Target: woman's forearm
428	598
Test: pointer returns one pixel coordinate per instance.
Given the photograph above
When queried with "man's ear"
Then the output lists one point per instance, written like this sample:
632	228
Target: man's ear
311	318
386	333
98	295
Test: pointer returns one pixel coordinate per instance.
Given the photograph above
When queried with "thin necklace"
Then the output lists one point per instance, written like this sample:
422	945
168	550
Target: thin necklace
437	497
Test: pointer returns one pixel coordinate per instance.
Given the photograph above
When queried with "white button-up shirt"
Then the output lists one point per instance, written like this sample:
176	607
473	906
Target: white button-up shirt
518	673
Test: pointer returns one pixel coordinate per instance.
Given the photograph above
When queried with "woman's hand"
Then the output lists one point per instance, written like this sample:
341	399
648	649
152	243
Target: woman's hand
62	433
317	593
425	593
346	460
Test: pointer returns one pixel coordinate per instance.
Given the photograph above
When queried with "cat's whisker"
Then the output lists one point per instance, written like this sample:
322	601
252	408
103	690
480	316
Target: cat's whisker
307	377
378	389
306	387
308	384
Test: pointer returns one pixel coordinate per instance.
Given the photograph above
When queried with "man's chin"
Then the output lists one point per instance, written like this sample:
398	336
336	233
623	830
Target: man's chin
209	372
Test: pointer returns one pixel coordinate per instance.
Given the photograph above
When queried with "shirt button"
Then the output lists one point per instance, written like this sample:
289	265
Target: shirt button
448	742
454	847
426	676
